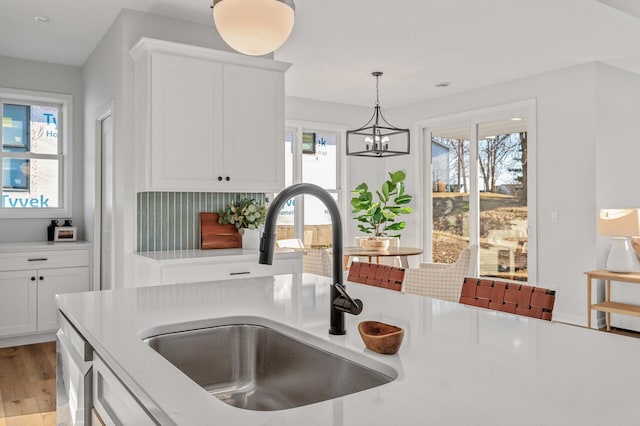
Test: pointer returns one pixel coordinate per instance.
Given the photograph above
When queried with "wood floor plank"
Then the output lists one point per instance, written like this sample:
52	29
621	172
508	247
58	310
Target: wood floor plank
20	407
49	419
26	420
44	393
49	349
1	407
36	364
12	378
3	422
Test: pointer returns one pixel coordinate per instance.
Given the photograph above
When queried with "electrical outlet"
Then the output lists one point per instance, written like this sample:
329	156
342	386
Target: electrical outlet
554	216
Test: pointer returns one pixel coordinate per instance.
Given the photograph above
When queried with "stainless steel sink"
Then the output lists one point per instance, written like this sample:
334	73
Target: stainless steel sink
259	368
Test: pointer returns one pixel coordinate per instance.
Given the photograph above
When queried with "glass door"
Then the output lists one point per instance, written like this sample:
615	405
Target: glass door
450	187
502	181
479	177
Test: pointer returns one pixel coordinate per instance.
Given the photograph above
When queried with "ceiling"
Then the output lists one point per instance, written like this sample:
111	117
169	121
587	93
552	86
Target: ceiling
336	44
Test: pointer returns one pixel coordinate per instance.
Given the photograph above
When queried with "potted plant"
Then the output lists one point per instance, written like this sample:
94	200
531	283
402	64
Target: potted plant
245	214
379	217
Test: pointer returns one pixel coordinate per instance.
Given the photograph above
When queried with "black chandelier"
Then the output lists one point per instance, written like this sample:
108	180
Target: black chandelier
377	138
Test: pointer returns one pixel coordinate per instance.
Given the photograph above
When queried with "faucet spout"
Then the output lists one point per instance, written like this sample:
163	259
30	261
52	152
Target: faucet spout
268	240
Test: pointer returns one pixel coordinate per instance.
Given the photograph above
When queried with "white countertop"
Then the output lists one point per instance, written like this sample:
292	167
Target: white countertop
42	246
458	365
213	255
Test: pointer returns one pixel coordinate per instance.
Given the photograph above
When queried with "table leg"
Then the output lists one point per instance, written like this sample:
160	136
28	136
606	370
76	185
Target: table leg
345	262
404	261
588	301
607	298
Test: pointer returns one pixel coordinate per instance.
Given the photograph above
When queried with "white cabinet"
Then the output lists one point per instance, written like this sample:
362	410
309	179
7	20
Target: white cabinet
207	120
113	402
17	302
159	268
29	281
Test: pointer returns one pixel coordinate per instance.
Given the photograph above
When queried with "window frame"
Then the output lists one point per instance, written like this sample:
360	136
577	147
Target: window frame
64	156
298	128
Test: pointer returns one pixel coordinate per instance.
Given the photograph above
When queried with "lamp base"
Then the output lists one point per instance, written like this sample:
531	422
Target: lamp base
620	259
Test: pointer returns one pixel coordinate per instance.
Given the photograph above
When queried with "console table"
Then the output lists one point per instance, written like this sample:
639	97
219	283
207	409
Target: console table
608	306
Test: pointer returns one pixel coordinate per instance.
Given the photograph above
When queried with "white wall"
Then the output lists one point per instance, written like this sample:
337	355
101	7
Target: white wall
108	76
617	155
46	77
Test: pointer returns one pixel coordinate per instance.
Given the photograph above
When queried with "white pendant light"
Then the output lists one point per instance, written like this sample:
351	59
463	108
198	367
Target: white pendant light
254	27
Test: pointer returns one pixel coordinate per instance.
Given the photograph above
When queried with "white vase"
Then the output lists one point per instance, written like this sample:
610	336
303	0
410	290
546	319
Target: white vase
251	239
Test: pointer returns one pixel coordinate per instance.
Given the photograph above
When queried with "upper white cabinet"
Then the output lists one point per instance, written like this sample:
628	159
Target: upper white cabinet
207	120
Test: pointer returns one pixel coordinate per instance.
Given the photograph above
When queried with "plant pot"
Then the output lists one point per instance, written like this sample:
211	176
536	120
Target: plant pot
373	243
251	239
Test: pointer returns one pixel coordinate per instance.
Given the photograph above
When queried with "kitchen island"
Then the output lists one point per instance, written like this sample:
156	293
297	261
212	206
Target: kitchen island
458	365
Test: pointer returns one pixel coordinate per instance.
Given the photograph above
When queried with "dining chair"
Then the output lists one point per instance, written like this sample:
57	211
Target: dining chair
515	298
317	261
441	280
377	275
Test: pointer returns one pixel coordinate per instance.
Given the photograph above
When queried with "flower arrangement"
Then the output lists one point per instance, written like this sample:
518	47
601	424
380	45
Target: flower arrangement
244	213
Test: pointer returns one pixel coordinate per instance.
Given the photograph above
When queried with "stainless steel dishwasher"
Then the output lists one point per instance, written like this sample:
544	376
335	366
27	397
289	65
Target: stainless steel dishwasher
73	376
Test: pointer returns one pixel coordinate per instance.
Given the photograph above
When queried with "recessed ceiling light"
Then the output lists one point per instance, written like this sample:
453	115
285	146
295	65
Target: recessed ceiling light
43	19
443	84
516	119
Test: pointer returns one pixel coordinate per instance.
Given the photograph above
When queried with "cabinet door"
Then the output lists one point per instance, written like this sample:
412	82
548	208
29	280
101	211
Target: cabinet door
186	123
57	281
253	128
17	302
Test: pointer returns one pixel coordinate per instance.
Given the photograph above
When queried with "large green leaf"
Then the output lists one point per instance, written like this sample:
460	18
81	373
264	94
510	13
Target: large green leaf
398	176
403	199
396	226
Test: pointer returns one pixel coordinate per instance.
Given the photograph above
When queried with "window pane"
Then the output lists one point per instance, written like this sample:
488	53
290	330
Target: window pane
44	129
319	159
30	183
317	221
15	128
284	224
502	171
450	193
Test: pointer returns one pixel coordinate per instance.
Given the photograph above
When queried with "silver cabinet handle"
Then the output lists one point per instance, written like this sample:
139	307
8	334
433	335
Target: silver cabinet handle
38	259
240	273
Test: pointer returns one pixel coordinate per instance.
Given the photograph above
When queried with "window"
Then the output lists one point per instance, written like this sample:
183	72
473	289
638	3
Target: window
312	156
481	185
35	156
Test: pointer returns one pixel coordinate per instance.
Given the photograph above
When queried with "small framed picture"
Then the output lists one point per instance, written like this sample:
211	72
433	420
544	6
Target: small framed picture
308	143
65	233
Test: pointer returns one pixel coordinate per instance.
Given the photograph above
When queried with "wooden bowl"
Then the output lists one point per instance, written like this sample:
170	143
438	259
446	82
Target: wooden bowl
380	337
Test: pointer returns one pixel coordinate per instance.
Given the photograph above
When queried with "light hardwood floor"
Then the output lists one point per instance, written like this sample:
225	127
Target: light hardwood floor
28	385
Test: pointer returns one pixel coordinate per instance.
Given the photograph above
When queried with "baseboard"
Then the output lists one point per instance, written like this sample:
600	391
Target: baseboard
30	339
578	320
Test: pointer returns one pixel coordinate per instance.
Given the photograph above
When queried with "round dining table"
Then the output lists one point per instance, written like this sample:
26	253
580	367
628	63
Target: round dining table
375	255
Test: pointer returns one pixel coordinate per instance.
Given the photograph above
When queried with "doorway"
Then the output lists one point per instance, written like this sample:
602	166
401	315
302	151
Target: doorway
479	181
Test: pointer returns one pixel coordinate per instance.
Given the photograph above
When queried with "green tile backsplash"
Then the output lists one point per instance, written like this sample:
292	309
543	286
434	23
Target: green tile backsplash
171	221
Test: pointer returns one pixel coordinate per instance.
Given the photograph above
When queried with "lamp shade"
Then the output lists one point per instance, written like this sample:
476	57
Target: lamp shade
254	27
619	222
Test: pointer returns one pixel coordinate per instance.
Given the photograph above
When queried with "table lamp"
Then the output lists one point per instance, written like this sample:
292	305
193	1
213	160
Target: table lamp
621	224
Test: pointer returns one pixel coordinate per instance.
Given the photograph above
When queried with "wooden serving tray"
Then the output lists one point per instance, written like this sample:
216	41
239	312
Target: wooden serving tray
214	235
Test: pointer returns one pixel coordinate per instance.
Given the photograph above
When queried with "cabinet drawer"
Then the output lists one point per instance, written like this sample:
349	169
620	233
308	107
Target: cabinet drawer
177	274
113	401
43	259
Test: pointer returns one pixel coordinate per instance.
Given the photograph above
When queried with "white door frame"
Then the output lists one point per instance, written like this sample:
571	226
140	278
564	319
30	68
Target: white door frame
103	113
423	130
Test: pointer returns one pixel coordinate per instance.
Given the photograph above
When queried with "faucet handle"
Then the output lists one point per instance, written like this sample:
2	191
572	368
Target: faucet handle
345	303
